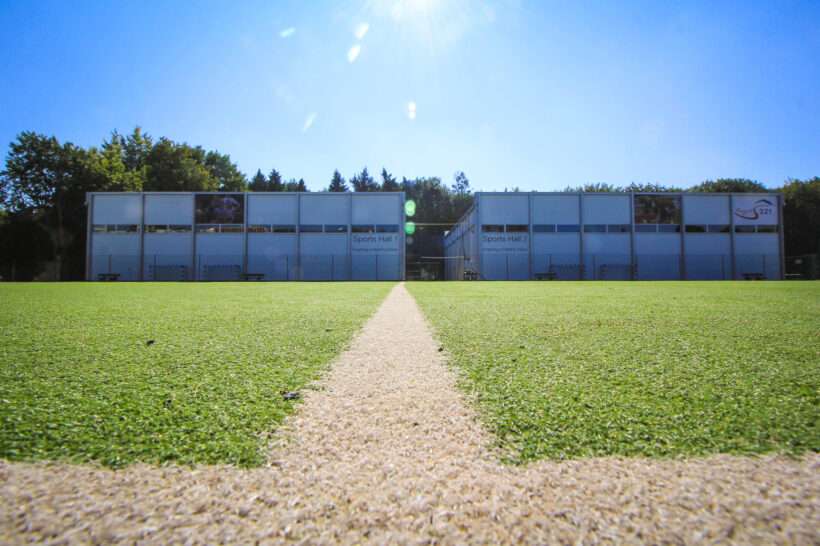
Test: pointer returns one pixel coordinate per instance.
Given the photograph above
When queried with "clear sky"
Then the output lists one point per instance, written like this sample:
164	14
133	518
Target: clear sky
537	94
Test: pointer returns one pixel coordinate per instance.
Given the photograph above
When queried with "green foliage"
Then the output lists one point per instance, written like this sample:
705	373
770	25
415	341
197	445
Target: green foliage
389	182
258	182
363	182
564	370
79	382
337	183
730	185
801	215
275	181
227	174
178	167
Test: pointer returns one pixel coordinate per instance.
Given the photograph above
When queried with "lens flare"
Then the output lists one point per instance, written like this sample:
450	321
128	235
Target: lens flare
410	228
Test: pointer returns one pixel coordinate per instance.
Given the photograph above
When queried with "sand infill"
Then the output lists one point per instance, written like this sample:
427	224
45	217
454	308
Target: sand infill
385	450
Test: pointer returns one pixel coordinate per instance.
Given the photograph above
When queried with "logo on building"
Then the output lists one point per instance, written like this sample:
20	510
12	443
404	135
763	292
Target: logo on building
761	207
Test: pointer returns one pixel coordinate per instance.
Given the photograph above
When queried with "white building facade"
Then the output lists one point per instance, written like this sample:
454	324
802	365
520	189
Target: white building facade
203	236
618	236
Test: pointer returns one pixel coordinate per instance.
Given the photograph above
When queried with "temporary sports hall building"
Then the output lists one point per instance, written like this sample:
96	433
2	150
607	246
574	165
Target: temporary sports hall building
166	236
620	236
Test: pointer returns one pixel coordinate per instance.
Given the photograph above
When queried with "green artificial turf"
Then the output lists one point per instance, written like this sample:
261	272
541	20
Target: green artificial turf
79	381
565	370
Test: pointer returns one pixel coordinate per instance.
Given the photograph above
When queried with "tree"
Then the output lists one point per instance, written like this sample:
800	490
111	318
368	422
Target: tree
595	187
801	216
47	180
730	185
389	182
226	173
301	186
337	183
461	186
178	167
649	188
363	182
25	246
258	182
275	181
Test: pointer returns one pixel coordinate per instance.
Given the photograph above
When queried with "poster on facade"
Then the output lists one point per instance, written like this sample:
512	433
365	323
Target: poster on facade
223	208
755	210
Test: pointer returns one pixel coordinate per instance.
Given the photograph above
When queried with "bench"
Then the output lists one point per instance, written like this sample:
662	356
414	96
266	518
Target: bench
108	277
793	276
754	277
253	276
470	275
547	276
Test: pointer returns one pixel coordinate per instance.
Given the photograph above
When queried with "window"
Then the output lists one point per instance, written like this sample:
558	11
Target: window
569	228
646	228
719	228
744	229
115	228
179	228
207	228
259	228
363	229
231	228
657	209
335	228
543	228
284	228
693	228
492	228
518	228
156	228
669	228
387	228
767	229
310	228
618	228
594	228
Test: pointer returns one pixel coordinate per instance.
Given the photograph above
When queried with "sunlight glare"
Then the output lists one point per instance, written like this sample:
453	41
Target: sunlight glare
353	53
361	30
411	110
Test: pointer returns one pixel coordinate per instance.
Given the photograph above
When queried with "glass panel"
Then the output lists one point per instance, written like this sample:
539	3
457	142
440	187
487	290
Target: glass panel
156	228
518	228
179	228
744	229
259	228
767	229
284	228
719	228
568	228
646	228
363	229
99	228
221	208
310	228
492	228
692	228
657	209
387	228
335	228
618	228
669	228
232	228
207	228
594	228
543	228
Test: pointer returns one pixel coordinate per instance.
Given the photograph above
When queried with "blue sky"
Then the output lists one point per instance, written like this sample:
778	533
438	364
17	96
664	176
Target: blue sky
538	95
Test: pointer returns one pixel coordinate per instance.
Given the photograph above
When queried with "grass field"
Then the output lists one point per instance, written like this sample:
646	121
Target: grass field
564	370
80	381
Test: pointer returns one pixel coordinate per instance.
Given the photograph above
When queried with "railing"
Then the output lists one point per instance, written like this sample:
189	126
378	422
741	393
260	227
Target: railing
519	266
272	267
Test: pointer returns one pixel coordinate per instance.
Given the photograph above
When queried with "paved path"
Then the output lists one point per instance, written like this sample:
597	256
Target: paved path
385	450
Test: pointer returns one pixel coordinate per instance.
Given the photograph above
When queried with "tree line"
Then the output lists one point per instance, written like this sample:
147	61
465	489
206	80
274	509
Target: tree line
44	182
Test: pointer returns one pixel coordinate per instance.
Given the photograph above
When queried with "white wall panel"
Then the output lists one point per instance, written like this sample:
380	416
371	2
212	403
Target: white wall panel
272	209
169	209
555	209
117	209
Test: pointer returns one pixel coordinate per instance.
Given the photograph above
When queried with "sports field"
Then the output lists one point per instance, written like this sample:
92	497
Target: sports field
190	373
566	370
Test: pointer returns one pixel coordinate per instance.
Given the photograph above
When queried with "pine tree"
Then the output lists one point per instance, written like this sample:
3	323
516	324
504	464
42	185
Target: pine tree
363	182
258	182
301	186
389	181
337	183
275	181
